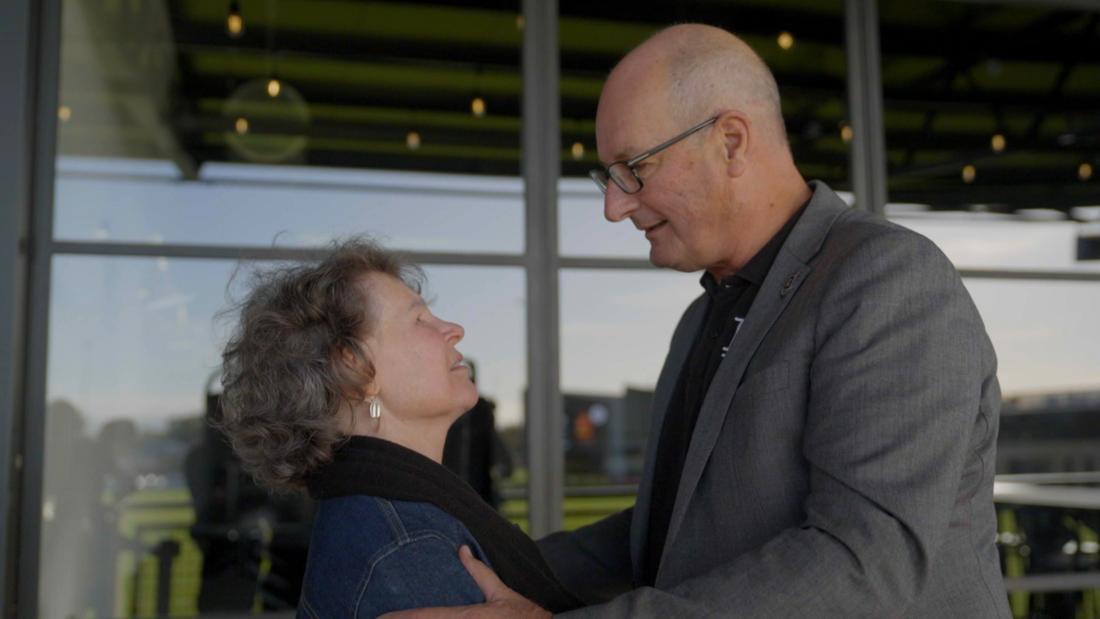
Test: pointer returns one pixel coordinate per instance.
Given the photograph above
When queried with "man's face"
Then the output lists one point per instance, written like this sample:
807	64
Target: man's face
684	208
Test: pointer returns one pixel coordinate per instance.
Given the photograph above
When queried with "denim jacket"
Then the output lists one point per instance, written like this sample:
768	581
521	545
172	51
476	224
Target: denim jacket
369	556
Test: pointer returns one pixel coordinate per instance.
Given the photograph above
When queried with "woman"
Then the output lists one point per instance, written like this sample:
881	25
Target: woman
340	380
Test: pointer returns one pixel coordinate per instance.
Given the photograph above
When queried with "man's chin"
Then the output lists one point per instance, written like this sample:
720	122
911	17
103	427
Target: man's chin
670	262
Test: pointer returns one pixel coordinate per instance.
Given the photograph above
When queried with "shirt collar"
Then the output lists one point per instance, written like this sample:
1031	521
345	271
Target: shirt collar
756	269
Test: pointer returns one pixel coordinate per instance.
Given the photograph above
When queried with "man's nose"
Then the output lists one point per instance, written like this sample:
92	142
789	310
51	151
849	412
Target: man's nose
617	205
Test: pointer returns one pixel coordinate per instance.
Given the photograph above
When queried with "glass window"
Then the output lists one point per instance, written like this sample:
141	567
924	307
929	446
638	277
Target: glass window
139	492
181	123
616	328
123	200
991	148
991	125
258	123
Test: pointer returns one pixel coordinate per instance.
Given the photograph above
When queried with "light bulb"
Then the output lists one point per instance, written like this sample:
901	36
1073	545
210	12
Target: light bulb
477	107
785	40
273	88
1084	171
969	173
997	143
412	140
234	23
64	113
577	151
241	125
846	132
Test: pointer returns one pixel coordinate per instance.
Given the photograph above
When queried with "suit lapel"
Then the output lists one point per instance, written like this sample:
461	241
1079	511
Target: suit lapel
782	283
679	348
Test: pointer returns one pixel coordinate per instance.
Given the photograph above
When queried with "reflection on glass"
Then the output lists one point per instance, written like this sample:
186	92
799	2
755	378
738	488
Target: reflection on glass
266	128
146	512
999	123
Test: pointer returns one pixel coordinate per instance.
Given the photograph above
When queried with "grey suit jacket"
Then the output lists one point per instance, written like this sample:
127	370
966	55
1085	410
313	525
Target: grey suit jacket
842	464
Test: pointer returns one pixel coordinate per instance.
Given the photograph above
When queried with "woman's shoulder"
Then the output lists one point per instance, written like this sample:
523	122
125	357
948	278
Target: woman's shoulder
369	553
385	521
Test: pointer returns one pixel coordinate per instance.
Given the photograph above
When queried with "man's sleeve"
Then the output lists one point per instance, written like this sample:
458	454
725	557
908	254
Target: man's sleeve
894	392
592	562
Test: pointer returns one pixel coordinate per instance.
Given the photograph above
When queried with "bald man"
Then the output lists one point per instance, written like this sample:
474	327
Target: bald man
825	421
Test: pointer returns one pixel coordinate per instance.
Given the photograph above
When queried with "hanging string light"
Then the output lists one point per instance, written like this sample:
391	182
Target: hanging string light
846	132
785	40
477	107
241	125
577	151
1084	171
997	143
412	140
64	113
234	23
274	87
969	173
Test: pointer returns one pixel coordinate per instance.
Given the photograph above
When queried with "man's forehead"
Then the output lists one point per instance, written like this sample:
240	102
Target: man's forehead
633	107
625	131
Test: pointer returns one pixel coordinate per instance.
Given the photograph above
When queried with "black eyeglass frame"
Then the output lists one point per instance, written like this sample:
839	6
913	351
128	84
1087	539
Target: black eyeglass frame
601	175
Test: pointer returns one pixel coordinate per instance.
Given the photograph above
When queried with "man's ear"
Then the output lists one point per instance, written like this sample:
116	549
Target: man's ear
734	128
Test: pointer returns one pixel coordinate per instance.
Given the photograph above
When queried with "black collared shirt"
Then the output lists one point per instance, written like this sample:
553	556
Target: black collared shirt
728	304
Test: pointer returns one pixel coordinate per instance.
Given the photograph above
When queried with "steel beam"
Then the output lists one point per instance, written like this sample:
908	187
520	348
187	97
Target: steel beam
16	110
29	59
541	170
868	146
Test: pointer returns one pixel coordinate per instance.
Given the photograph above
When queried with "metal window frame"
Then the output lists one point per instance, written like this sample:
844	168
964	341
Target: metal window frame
30	54
541	171
868	145
37	46
16	47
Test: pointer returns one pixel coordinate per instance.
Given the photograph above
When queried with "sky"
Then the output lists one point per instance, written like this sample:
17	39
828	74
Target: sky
140	337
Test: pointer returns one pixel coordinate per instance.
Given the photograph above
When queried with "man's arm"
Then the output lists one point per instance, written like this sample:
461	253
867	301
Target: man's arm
592	562
895	388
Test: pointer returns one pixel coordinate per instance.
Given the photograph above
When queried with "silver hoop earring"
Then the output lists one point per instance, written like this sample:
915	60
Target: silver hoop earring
374	408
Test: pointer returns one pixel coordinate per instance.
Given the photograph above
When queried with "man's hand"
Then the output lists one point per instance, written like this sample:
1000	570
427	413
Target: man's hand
500	601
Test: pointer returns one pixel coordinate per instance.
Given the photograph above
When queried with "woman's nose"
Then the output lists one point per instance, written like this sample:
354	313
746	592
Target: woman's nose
453	331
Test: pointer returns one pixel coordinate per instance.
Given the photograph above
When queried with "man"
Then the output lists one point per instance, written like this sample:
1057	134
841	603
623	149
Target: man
825	422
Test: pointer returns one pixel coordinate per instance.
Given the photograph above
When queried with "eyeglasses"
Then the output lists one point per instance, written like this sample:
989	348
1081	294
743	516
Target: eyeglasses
625	175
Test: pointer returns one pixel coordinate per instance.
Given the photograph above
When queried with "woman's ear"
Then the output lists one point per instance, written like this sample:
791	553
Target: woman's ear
734	129
359	368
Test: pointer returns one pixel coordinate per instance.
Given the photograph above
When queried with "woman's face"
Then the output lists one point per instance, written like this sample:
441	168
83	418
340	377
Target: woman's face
418	371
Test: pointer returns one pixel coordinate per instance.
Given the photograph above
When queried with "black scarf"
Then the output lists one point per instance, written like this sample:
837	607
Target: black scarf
375	467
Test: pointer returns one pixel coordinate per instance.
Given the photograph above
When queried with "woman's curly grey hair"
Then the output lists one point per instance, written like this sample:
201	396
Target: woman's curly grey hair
284	369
